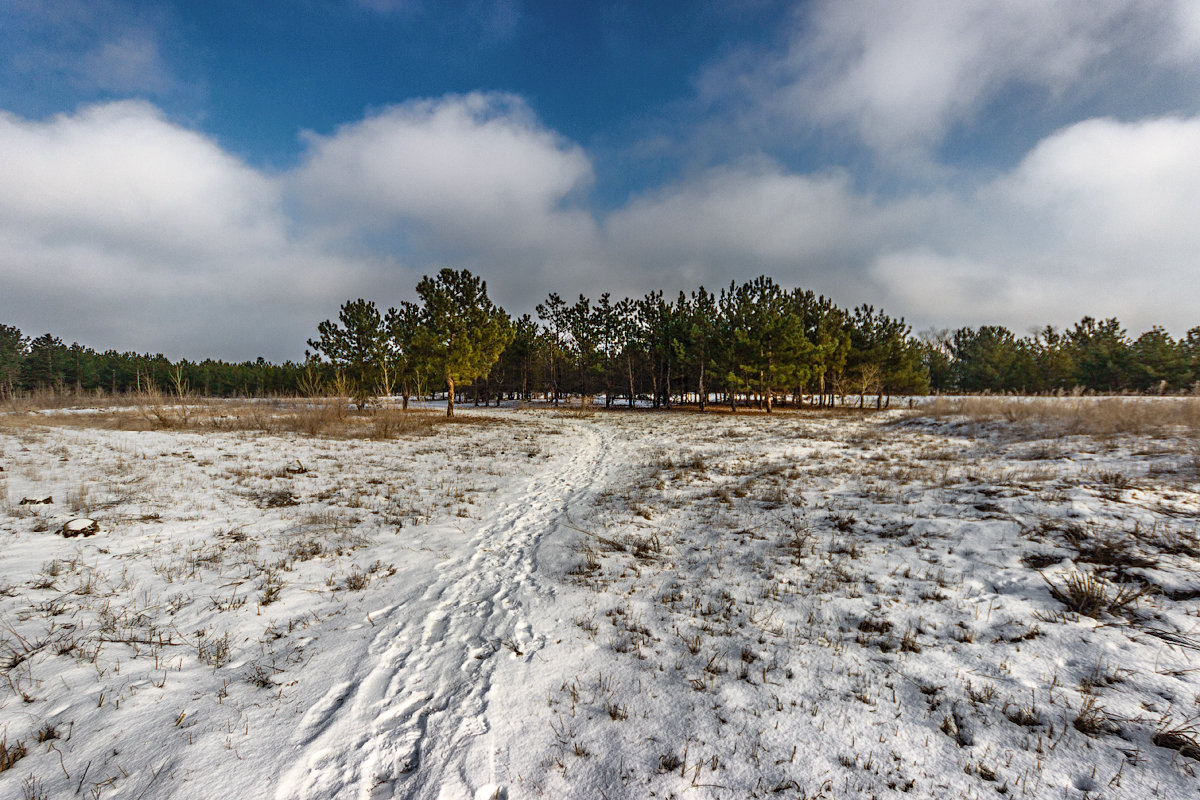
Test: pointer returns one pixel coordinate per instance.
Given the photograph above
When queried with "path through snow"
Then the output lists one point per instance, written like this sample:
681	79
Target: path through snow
413	720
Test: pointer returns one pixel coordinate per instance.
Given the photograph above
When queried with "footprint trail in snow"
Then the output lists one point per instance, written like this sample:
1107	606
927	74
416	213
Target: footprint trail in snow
412	722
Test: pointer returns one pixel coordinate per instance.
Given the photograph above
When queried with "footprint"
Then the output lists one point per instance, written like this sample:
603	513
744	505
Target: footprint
318	716
435	628
474	726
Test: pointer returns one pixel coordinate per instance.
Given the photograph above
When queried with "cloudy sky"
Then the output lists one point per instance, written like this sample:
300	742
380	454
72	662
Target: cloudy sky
213	179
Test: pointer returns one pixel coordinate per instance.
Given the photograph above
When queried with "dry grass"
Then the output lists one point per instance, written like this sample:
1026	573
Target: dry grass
10	754
1088	594
1091	416
331	417
46	400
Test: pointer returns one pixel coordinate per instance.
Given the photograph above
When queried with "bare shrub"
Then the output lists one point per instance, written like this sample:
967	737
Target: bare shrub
216	651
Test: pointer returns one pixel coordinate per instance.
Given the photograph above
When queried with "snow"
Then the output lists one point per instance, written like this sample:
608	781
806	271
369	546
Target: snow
622	604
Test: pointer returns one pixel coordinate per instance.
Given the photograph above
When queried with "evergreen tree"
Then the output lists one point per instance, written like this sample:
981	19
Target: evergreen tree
606	323
1101	353
1157	363
586	336
1053	361
553	314
358	346
702	321
984	359
45	363
519	360
13	346
936	356
1190	345
630	342
404	359
462	332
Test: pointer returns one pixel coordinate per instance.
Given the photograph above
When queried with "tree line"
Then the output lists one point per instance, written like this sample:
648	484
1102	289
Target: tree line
750	344
46	364
1094	355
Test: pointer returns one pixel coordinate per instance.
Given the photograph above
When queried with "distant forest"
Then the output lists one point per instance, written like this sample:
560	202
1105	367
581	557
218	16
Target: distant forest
750	344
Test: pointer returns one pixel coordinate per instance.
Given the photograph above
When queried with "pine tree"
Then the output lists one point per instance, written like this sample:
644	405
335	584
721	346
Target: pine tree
1101	352
702	322
358	346
606	323
462	332
45	363
553	314
1157	363
630	342
404	359
13	346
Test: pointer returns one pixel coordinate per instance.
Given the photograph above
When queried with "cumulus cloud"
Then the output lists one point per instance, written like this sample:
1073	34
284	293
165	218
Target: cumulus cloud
1097	219
121	228
900	76
735	223
473	179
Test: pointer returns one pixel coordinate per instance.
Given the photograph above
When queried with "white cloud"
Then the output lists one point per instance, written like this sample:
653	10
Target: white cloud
900	76
120	228
1108	187
479	157
739	222
1098	219
120	174
474	179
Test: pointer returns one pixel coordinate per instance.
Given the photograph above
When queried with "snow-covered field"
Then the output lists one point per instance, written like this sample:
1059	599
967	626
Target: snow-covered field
620	605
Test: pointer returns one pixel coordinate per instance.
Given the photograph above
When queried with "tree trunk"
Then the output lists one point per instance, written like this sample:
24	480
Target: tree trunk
703	391
554	374
450	396
629	364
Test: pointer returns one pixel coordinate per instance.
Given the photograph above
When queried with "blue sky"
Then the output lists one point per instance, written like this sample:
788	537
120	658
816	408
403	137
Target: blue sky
214	178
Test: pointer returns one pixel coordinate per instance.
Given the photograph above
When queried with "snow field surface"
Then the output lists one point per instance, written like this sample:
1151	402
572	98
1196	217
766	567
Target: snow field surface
625	604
